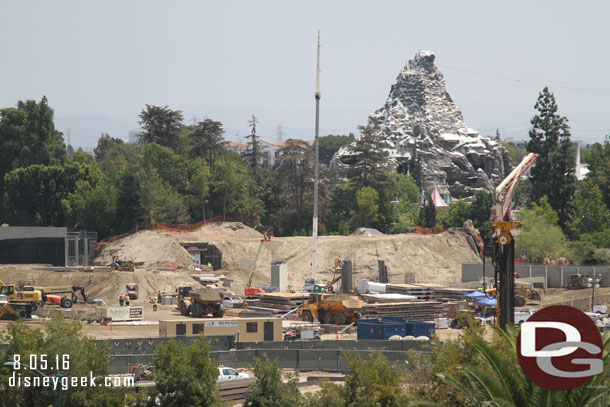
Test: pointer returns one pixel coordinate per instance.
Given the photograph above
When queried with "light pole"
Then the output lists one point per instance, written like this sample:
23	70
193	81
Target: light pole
56	392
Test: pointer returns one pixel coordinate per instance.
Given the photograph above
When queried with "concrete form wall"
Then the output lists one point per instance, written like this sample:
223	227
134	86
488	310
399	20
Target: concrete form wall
279	275
556	276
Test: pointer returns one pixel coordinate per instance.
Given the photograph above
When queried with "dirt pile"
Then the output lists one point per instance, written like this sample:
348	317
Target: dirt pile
148	246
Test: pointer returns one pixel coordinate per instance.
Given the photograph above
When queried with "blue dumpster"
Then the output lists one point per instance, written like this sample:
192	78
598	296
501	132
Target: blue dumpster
381	328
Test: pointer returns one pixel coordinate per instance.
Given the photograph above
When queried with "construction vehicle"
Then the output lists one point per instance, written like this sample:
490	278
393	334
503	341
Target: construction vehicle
14	295
58	295
503	250
13	311
132	290
122	265
337	309
522	294
200	301
250	291
577	282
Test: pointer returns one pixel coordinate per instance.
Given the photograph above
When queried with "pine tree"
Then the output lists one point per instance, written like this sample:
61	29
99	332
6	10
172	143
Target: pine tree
553	173
253	152
368	163
207	141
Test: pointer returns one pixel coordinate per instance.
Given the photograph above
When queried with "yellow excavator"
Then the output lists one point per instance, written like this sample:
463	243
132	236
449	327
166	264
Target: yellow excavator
14	296
522	294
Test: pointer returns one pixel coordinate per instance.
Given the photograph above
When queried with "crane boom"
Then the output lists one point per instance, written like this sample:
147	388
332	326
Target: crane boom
506	189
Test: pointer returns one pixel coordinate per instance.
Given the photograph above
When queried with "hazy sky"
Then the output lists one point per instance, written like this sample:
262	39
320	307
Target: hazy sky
99	62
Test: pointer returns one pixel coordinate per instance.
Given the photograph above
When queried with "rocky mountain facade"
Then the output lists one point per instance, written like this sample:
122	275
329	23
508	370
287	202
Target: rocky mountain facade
427	137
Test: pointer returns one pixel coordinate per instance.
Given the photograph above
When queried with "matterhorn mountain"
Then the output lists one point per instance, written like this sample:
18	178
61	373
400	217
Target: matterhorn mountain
427	137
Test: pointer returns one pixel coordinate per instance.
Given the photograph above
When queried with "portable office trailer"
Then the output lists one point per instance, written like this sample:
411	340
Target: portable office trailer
244	329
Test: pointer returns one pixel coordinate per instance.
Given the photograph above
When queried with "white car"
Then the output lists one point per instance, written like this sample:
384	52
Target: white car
228	373
523	315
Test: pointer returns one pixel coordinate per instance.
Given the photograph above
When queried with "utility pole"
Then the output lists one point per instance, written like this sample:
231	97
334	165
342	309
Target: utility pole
317	94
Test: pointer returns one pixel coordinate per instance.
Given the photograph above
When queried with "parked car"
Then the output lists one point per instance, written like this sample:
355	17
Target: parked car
523	315
228	373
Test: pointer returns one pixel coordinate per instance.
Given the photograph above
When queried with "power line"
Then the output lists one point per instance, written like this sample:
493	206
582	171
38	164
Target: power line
526	81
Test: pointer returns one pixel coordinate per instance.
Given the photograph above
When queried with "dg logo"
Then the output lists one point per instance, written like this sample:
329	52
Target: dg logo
560	348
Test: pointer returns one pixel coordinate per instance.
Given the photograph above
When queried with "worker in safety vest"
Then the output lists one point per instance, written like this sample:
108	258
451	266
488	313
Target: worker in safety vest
154	303
122	299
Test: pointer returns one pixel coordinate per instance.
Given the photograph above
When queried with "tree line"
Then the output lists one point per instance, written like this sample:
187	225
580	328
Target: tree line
179	173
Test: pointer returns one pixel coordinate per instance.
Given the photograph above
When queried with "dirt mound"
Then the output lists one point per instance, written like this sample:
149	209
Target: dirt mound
148	246
366	232
226	230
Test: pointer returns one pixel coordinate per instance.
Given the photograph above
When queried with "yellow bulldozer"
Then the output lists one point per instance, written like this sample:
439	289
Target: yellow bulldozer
337	309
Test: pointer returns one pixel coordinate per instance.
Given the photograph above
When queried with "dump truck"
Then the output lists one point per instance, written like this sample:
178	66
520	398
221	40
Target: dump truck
14	295
200	301
337	309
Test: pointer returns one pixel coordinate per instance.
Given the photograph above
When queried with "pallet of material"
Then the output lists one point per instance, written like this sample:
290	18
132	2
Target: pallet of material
415	311
391	297
449	293
420	291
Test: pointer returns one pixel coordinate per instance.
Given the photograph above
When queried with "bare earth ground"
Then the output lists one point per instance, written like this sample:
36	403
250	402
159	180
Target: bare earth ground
431	259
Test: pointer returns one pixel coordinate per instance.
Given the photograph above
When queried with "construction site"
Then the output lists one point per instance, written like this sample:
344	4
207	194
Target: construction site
253	294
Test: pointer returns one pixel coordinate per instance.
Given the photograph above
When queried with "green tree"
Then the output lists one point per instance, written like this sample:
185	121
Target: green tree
207	141
329	145
295	172
128	199
480	213
63	337
160	202
553	173
371	382
589	214
541	236
28	137
272	388
235	191
253	152
367	163
161	125
367	207
599	166
199	189
34	195
427	214
185	376
173	169
342	202
104	145
458	213
93	207
405	217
